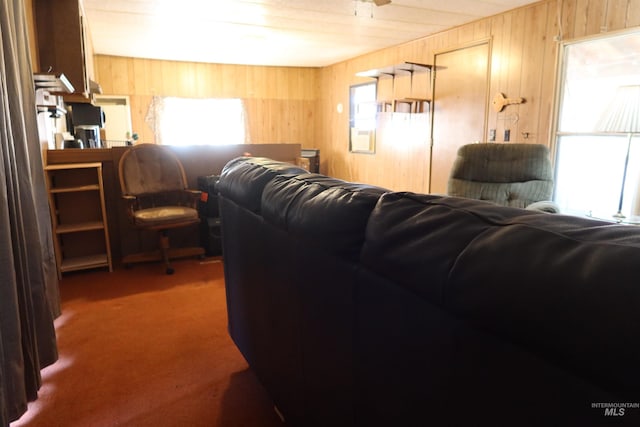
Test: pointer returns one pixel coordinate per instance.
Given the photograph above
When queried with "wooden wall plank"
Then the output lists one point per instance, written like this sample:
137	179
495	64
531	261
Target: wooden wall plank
535	23
141	83
481	29
581	17
633	14
119	76
596	16
548	76
504	32
513	88
155	70
497	66
616	14
570	19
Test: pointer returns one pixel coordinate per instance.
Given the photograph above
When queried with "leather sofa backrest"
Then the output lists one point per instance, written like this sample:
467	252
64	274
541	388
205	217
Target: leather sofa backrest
321	211
561	287
243	179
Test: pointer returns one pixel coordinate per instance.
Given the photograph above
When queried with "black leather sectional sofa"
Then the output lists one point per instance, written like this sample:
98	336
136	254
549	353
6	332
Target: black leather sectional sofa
356	306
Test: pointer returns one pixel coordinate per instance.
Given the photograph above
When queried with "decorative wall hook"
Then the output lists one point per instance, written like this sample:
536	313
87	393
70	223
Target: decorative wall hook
499	101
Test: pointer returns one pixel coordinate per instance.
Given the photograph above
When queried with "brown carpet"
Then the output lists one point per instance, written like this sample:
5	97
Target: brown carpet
140	348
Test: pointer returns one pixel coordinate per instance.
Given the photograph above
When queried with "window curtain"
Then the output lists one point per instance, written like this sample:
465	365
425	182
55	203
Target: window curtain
197	121
29	299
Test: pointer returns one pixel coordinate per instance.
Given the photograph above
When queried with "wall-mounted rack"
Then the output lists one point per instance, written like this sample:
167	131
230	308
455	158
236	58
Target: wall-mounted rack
393	70
54	83
397	90
48	86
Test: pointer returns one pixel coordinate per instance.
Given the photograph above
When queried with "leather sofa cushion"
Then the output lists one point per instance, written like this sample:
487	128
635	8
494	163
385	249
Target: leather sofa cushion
565	296
243	179
543	282
322	211
409	241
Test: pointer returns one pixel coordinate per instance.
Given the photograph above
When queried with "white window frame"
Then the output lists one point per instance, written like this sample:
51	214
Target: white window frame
592	187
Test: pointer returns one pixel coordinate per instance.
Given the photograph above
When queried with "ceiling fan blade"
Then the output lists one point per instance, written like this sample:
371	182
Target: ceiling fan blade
381	2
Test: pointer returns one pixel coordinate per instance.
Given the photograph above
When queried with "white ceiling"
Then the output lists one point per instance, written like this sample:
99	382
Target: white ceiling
310	33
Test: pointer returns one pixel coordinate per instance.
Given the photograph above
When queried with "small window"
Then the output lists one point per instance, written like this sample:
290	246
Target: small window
362	118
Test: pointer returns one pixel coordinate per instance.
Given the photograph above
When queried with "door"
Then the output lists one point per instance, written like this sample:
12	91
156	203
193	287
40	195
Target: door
459	108
117	125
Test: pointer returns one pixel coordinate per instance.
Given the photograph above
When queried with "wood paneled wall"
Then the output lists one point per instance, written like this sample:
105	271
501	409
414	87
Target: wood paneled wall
300	104
281	102
524	50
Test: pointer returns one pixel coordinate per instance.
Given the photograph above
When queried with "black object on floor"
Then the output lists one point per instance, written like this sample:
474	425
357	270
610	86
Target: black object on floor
210	232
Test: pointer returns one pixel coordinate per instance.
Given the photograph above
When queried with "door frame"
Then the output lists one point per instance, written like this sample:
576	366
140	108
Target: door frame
489	42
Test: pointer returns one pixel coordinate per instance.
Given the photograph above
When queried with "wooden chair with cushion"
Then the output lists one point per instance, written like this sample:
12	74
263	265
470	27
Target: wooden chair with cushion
154	185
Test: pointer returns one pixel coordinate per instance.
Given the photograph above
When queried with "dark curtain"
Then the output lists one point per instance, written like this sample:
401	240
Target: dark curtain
29	298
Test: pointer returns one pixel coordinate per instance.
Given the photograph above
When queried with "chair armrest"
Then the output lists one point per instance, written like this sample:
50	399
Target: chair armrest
132	204
194	197
546	206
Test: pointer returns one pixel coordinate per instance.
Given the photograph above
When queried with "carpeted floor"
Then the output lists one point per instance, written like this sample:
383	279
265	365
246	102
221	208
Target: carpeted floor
140	348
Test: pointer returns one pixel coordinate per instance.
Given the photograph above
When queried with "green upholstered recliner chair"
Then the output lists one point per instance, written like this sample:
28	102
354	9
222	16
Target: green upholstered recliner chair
511	174
154	185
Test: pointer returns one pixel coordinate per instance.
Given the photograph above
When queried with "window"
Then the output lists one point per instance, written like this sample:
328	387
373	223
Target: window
192	121
589	161
362	118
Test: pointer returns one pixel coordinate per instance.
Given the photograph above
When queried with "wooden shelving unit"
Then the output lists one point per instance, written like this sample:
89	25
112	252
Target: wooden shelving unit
411	105
78	216
402	88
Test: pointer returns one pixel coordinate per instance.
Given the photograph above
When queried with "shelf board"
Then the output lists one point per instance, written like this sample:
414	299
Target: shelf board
80	263
54	167
393	70
56	110
409	99
82	226
90	187
54	83
416	105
